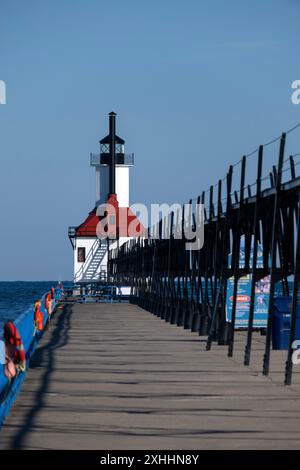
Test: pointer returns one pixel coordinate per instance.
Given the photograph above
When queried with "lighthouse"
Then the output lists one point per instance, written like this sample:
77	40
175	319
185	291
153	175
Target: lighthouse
112	166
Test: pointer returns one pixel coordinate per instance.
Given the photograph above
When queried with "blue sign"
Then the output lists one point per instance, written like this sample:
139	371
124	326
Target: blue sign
262	293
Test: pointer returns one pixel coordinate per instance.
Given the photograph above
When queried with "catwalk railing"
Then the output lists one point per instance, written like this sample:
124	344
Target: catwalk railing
189	287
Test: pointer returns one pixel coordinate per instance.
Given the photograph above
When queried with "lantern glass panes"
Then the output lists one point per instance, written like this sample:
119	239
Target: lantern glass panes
104	148
119	148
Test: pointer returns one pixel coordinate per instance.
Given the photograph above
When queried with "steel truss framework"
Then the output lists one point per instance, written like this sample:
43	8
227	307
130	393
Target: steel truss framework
188	288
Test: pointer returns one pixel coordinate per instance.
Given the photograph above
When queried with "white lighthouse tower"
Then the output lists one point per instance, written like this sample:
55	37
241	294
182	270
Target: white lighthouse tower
112	184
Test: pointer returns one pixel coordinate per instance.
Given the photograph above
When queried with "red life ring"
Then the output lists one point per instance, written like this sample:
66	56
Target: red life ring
13	342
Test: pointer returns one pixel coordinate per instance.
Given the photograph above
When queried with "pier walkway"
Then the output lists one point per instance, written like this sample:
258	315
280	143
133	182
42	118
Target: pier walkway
113	376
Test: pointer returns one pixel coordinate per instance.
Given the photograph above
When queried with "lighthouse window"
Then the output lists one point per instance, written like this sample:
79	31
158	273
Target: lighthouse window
119	148
104	148
81	254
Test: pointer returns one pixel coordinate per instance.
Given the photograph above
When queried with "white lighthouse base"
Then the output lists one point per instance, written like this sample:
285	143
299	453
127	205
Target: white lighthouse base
94	267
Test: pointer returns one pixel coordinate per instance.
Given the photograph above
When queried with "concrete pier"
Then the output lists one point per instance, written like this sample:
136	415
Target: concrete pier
113	376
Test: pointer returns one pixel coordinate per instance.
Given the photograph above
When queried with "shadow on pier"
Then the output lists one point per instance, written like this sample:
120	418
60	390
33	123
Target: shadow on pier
111	376
57	336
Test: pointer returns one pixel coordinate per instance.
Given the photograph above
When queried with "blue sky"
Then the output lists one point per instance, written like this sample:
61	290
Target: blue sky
195	84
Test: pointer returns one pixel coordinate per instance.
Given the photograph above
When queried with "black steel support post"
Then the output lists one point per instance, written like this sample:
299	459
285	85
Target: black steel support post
292	167
237	258
169	286
266	361
224	262
180	279
217	254
223	338
204	322
198	291
214	326
187	284
254	258
289	361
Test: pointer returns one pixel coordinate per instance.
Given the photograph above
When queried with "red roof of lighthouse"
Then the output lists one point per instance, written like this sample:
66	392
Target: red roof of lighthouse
125	219
88	227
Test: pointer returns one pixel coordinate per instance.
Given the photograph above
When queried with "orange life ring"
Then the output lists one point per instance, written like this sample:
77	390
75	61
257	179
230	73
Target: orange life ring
39	319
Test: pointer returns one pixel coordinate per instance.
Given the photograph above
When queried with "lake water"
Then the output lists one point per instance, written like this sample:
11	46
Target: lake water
16	297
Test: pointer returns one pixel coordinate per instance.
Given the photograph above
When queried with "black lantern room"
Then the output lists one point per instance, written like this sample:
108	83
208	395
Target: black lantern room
112	152
106	143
